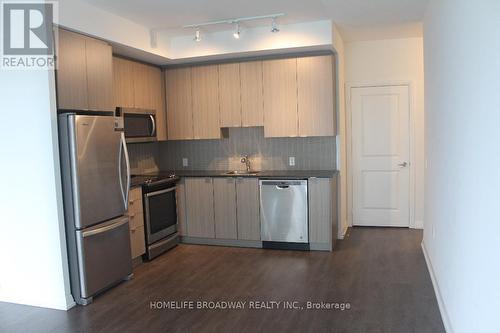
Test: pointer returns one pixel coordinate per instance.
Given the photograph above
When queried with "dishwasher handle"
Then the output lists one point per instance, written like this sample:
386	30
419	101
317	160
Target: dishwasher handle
282	184
282	187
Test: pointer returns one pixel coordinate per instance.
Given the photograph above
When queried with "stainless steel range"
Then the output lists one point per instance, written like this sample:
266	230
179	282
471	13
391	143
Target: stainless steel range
160	212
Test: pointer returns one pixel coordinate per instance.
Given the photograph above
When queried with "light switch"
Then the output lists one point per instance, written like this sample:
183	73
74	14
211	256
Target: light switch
291	160
184	162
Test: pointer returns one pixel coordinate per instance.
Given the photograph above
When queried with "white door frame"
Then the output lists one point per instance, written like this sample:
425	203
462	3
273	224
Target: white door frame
348	89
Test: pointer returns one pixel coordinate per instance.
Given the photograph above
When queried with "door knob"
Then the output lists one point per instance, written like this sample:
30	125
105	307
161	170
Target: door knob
403	165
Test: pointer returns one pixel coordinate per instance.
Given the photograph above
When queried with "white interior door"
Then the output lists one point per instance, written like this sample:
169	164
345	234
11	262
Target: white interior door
380	156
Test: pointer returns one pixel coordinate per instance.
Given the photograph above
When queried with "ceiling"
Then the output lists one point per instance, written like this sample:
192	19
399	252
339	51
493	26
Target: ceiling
356	18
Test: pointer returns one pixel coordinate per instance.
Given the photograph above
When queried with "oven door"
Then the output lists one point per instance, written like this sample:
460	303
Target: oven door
160	214
139	126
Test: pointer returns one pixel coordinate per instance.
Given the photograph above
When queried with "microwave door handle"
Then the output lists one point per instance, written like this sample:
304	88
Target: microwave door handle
153	122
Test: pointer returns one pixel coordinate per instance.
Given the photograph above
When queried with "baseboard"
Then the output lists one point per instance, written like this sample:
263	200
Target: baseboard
344	232
442	308
220	242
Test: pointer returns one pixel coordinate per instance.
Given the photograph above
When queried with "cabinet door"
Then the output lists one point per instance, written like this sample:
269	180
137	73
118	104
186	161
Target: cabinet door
248	211
280	98
180	194
179	104
315	96
320	210
205	95
99	75
252	98
142	86
229	95
157	91
71	71
200	207
123	83
225	208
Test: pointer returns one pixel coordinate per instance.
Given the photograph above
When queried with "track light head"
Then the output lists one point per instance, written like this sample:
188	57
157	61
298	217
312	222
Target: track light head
197	36
237	32
274	26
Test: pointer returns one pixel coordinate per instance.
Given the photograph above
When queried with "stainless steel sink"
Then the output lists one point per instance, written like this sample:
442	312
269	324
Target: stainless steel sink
241	173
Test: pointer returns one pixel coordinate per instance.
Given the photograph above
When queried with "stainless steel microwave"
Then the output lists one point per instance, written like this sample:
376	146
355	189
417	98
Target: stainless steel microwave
139	125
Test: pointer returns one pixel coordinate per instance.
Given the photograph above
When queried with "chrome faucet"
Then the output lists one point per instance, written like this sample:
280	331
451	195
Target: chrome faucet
246	160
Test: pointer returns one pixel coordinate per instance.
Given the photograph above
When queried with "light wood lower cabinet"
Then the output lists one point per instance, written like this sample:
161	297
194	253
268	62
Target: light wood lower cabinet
322	213
200	207
180	195
225	208
136	223
248	208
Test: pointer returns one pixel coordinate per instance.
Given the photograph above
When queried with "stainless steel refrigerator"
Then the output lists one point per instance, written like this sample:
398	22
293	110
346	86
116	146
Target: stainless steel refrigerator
96	178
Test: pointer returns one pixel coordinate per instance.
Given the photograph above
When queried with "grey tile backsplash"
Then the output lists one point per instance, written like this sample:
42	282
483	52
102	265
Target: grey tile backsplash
313	153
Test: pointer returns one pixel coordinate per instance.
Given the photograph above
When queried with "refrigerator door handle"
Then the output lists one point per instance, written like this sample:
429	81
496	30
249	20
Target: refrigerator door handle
123	150
104	229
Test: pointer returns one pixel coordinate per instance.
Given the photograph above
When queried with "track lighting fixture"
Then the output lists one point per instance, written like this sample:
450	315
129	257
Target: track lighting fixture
197	37
236	33
274	26
237	23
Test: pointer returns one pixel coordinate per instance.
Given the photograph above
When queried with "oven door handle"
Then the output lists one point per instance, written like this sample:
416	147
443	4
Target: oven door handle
152	194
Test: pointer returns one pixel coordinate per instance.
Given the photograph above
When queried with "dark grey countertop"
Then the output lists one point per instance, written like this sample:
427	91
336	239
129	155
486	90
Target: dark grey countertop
261	174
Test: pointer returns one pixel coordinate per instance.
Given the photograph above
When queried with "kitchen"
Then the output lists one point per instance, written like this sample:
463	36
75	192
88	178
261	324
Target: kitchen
259	107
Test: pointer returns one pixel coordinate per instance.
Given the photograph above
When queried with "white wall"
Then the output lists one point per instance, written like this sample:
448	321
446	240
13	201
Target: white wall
338	45
85	18
394	60
256	39
33	258
462	223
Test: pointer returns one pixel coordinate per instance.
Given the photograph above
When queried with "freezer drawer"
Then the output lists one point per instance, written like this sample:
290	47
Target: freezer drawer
103	255
284	211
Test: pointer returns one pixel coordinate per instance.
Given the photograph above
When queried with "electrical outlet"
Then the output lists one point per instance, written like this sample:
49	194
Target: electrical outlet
185	162
291	160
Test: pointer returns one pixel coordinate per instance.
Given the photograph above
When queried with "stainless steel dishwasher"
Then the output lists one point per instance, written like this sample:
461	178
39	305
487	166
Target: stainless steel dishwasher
284	214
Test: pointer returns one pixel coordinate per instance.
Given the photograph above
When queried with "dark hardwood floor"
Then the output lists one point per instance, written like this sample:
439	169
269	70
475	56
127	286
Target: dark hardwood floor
380	272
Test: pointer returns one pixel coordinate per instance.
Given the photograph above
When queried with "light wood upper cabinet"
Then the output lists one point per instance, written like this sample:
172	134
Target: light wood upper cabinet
280	98
137	85
143	96
99	75
230	95
252	98
200	209
84	73
71	71
123	82
179	104
315	89
205	97
158	97
248	208
225	208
